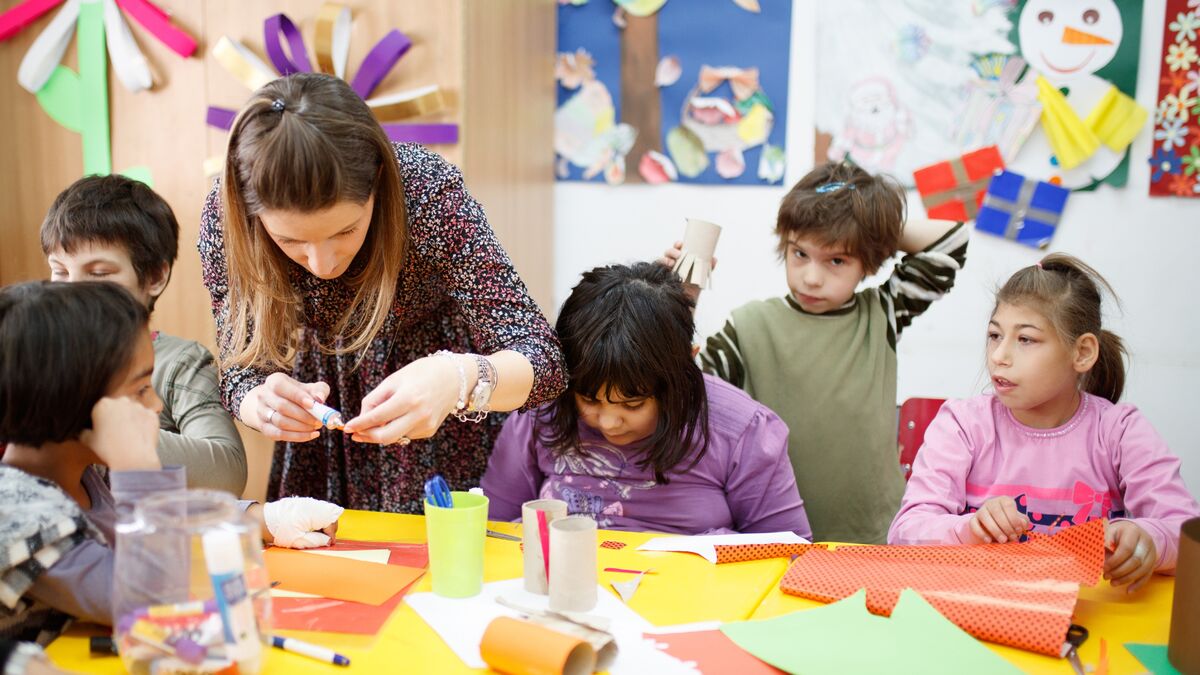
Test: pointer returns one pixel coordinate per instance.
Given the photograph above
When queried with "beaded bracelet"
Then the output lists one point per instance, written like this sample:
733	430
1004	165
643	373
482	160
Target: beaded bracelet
460	406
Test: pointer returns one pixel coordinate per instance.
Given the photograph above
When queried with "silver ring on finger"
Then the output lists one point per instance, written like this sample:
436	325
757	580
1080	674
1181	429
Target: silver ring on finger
271	417
404	440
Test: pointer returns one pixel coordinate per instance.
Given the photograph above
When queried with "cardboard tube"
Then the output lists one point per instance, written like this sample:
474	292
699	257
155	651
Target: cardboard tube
535	567
1183	649
573	576
456	536
520	647
699	245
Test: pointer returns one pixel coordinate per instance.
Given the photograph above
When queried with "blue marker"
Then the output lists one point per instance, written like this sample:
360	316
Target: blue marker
312	651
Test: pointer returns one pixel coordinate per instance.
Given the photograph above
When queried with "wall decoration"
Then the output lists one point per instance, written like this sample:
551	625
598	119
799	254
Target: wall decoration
659	91
1175	154
79	100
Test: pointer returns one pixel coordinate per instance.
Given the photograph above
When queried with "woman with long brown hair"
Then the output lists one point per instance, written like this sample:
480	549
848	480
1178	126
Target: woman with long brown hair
349	271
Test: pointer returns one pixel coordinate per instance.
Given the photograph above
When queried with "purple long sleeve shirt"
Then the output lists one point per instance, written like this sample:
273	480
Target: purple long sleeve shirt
744	482
1105	462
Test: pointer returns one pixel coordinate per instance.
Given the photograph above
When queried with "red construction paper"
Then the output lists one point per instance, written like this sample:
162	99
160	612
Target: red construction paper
340	616
712	652
742	552
1020	594
934	181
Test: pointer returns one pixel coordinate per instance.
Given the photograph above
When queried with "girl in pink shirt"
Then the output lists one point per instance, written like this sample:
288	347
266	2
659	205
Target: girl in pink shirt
1051	447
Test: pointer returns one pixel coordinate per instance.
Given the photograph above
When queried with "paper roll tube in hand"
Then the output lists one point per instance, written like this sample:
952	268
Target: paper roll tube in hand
695	260
521	647
535	565
1183	649
593	629
573	575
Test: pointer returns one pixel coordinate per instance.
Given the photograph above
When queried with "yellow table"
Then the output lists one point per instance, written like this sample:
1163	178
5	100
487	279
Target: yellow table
685	588
1107	613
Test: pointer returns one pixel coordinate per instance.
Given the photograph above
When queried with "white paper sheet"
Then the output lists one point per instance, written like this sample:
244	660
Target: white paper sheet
702	544
462	622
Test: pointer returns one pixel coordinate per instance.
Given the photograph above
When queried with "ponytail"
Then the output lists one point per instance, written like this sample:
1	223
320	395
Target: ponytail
1067	292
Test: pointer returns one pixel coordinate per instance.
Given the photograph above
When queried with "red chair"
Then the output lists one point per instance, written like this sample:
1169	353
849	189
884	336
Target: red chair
915	416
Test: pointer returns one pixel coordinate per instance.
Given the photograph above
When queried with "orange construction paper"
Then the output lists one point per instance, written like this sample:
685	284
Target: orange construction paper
520	647
713	652
337	578
340	616
727	553
1020	594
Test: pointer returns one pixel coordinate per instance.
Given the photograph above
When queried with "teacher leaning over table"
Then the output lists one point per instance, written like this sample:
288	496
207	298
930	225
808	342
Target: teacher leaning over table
350	271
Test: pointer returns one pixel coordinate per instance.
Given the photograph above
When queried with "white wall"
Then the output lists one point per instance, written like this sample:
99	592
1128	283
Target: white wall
1145	247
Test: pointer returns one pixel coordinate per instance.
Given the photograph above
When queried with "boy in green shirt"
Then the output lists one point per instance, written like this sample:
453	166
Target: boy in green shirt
824	356
111	228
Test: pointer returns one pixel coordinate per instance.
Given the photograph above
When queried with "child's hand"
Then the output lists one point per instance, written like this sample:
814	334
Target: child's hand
279	408
124	435
300	522
1133	555
672	255
999	520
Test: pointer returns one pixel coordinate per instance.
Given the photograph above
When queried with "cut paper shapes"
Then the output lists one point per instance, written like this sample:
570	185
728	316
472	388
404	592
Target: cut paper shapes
585	134
626	589
1021	209
712	652
696	257
687	150
954	189
704	545
572	70
331	46
614	545
656	168
772	164
1175	160
668	71
1002	108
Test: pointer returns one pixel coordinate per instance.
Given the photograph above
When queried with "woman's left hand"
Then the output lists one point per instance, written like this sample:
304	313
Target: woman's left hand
411	403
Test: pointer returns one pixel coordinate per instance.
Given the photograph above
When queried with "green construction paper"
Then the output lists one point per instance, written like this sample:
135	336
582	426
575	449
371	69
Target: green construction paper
93	79
687	151
1153	657
139	173
843	637
59	97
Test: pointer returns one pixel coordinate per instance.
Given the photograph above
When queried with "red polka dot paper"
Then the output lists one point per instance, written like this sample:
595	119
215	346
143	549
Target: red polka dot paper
614	545
745	552
1020	595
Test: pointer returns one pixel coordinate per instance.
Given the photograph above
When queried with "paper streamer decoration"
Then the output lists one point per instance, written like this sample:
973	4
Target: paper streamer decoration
21	15
221	118
333	38
1022	209
954	189
130	65
1019	594
1183	650
519	647
1002	109
332	44
1072	140
159	24
1116	119
695	259
531	552
573	575
93	90
48	48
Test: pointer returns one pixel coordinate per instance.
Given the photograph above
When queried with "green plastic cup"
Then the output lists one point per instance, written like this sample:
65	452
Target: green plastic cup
456	537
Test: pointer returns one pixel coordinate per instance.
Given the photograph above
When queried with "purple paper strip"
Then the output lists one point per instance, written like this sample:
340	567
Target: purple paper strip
221	118
379	61
425	134
280	25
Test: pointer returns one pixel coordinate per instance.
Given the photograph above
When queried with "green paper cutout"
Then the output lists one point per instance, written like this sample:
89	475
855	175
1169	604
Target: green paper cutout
141	174
687	151
93	77
59	97
843	637
1153	657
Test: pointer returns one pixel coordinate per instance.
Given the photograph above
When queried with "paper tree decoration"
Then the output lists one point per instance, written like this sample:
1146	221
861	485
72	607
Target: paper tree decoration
79	101
1024	210
331	48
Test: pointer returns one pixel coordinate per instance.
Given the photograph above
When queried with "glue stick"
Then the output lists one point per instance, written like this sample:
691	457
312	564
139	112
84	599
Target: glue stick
226	570
330	418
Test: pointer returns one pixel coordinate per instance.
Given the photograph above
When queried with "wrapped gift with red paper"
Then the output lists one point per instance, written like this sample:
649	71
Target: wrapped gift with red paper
954	189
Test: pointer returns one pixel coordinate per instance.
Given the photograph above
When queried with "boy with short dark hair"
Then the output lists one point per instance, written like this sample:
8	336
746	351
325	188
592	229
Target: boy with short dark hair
824	356
112	228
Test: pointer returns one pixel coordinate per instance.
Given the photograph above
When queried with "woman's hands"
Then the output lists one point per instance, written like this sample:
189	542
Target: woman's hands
279	408
124	435
414	401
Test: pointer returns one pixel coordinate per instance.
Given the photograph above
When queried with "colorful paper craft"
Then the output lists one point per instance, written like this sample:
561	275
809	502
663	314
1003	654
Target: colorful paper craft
713	652
337	578
1153	657
339	616
704	545
1002	108
954	189
1175	152
1021	209
1020	594
844	638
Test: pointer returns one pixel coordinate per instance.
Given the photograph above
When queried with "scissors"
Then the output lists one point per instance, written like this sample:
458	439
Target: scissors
1076	635
437	492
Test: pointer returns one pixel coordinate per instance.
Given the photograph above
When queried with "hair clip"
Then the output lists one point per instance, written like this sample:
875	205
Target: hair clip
277	105
833	187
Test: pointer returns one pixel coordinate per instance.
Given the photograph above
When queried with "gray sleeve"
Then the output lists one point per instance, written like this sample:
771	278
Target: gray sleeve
207	442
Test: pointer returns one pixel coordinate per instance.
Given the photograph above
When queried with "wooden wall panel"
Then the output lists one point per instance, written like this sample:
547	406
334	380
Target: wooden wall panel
494	58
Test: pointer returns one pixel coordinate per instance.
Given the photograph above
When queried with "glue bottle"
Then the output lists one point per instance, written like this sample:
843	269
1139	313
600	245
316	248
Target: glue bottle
226	569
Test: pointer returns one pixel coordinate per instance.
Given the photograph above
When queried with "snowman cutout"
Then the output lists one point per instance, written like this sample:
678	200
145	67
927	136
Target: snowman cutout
1067	41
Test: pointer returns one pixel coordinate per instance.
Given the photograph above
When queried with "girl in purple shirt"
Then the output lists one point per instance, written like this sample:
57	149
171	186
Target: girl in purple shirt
641	439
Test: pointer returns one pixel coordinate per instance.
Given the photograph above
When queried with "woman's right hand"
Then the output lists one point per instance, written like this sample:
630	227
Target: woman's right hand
279	408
